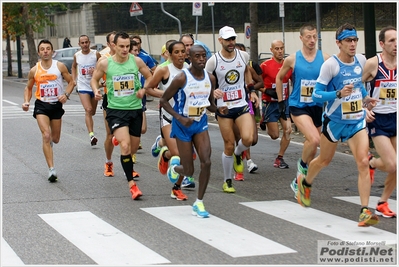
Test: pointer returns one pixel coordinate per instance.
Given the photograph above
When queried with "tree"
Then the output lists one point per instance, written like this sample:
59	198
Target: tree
26	19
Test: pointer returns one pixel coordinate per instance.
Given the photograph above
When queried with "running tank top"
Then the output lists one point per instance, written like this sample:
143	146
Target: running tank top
384	87
49	83
86	65
123	83
304	78
347	110
173	71
193	98
230	75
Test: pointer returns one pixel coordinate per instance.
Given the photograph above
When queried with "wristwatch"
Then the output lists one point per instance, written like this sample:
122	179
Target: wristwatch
338	94
67	95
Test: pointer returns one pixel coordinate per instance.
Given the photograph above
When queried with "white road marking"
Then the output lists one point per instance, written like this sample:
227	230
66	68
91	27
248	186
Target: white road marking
8	256
322	222
99	240
220	234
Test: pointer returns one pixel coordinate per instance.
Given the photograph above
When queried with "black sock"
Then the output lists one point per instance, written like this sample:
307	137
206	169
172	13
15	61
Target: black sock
127	165
176	187
279	156
380	202
303	164
362	208
305	183
164	157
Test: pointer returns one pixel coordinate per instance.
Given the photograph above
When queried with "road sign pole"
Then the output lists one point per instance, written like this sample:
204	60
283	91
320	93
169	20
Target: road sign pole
213	27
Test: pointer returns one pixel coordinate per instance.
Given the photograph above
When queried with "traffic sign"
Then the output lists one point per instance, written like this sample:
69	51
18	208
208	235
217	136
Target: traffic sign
197	9
135	9
248	31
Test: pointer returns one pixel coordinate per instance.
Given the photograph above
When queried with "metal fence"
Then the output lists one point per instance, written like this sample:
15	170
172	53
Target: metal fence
153	20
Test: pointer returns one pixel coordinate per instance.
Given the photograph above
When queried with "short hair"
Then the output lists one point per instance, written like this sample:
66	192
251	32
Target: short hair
170	48
167	44
133	43
135	37
109	35
83	35
44	41
122	35
345	26
309	27
381	36
241	46
187	35
194	47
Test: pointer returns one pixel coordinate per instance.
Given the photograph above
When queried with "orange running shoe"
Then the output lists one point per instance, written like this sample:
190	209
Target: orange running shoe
109	169
135	174
135	191
384	211
366	218
239	176
162	163
178	194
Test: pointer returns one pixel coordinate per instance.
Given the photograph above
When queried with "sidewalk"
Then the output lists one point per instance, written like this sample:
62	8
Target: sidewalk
24	64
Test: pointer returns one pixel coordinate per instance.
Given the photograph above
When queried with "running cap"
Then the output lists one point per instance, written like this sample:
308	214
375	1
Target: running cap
226	32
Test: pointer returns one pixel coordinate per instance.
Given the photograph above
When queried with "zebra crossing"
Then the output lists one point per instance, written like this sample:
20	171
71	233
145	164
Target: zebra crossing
106	245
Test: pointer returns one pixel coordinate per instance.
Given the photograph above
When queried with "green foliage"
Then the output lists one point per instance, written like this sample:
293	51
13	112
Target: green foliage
14	22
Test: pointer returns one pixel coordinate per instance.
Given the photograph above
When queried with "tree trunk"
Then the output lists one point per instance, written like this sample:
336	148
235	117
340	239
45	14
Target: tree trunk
253	17
30	38
9	56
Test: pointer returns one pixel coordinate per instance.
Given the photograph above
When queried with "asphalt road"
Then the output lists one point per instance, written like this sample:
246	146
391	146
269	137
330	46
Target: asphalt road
88	219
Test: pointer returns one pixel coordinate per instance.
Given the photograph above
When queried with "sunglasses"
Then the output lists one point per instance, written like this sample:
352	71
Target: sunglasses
350	40
230	39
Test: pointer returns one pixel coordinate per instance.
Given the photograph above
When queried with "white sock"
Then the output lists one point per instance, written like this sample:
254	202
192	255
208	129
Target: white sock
240	148
227	162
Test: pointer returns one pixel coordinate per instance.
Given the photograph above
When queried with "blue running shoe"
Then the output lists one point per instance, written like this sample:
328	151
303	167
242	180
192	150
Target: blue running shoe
199	210
155	149
172	175
188	182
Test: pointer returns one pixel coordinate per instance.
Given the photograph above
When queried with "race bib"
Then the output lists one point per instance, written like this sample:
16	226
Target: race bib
123	85
388	94
352	106
232	95
307	87
48	92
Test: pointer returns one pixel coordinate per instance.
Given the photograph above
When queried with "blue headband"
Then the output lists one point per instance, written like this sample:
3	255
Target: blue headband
347	33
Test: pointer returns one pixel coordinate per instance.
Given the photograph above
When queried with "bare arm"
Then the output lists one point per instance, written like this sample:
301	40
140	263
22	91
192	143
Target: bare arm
177	83
68	78
98	73
74	69
288	64
212	107
159	74
370	69
28	89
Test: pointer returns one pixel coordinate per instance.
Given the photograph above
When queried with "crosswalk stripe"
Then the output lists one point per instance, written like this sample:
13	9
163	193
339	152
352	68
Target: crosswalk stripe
218	233
373	200
323	222
99	240
8	255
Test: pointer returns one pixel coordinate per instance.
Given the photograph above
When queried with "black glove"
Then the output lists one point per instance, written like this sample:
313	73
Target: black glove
281	109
